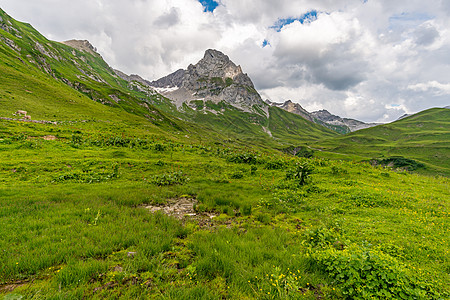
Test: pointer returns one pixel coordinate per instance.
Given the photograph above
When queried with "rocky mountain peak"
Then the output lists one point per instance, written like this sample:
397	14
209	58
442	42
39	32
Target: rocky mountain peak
214	78
295	108
216	64
82	45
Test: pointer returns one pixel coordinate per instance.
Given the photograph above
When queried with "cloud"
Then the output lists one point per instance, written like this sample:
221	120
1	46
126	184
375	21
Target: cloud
433	86
355	59
426	34
326	49
169	19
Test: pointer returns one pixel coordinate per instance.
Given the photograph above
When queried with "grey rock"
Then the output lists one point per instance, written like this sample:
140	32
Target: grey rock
82	45
294	108
131	254
215	77
172	80
133	77
352	124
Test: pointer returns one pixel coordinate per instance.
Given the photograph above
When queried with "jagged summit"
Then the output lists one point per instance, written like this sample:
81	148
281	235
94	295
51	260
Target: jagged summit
172	80
82	45
294	108
214	78
352	124
216	64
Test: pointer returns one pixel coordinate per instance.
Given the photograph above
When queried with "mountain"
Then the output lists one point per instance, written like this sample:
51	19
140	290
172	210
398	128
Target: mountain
352	124
294	108
214	78
70	81
215	92
423	137
323	117
66	81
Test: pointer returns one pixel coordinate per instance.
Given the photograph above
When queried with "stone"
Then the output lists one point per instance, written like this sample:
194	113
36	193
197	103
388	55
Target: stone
131	254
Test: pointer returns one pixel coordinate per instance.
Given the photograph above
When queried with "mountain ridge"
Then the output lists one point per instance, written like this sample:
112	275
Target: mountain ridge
214	78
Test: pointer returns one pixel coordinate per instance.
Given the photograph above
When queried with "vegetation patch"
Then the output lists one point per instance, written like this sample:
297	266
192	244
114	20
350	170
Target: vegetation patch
398	162
364	273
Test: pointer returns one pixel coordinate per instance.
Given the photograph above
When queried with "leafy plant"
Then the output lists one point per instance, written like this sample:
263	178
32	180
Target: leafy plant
364	273
169	179
253	170
237	175
274	165
301	173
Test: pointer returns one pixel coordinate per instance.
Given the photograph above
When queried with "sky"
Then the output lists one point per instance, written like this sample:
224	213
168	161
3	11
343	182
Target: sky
371	60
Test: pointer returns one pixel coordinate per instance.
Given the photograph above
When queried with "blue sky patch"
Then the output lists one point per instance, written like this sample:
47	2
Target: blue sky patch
265	43
409	19
306	18
209	5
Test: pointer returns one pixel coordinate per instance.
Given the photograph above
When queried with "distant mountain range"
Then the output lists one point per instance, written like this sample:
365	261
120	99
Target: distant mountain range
323	117
216	78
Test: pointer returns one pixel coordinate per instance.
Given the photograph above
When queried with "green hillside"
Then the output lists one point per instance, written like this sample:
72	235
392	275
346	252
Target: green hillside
52	81
424	137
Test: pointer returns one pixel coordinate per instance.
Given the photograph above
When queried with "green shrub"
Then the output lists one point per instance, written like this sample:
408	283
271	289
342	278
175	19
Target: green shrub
274	165
160	147
263	218
371	274
246	210
304	152
399	162
169	179
237	175
243	158
335	170
301	173
323	237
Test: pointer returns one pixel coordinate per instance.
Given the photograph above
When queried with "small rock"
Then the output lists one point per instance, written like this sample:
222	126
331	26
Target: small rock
119	268
131	254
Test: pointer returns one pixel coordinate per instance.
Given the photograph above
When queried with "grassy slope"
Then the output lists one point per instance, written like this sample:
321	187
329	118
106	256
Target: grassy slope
71	210
424	137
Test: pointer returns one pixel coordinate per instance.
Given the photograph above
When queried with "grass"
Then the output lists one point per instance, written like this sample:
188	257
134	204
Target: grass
423	137
70	236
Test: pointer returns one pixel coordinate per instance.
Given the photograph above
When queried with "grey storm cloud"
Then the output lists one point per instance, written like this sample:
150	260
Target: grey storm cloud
426	34
168	19
372	60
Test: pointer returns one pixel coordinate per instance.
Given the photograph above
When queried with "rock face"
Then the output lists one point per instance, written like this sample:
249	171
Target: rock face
214	78
132	77
353	125
294	108
172	80
85	46
404	116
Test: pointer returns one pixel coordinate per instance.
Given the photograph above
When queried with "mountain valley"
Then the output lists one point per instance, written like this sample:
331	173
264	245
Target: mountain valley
192	186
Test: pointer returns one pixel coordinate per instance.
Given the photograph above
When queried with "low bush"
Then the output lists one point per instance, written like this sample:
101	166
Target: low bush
169	179
300	173
364	273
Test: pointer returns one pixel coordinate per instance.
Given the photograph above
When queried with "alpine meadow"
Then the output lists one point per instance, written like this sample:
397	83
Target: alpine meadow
193	187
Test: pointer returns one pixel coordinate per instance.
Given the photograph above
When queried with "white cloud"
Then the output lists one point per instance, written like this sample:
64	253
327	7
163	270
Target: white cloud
356	59
433	86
